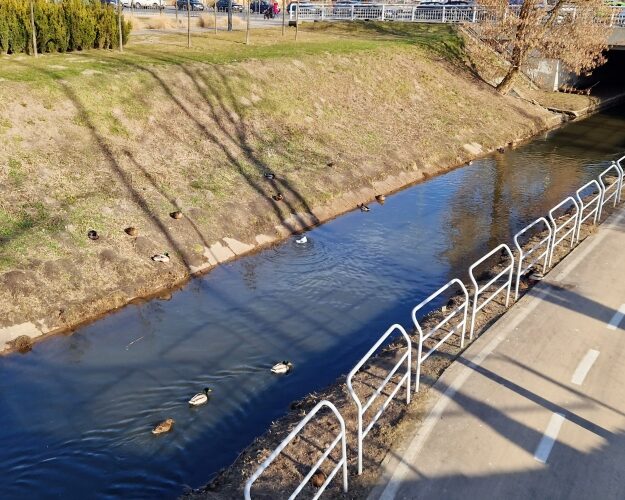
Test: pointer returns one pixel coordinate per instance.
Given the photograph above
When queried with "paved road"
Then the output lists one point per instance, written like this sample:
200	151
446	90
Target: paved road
256	20
536	407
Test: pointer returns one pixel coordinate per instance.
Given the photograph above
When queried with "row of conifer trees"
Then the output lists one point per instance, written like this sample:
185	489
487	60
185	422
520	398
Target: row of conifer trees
60	25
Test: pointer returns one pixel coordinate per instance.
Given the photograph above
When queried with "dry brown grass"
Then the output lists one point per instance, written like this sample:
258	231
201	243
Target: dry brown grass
208	21
155	22
130	139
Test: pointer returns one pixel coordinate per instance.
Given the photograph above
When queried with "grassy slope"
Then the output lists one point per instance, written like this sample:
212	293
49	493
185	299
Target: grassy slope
105	140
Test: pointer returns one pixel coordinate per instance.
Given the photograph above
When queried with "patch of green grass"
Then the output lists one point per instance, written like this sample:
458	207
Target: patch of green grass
16	172
316	38
5	124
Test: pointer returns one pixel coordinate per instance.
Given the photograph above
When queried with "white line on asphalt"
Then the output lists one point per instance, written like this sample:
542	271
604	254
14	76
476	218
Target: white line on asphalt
402	470
584	367
549	438
617	318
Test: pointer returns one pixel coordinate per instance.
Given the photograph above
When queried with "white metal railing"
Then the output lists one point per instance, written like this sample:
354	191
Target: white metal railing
595	202
622	172
428	13
524	254
341	463
557	228
464	306
406	378
613	189
508	284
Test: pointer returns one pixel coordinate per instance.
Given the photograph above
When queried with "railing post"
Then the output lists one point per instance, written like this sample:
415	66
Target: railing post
612	18
383	11
323	12
352	12
474	13
413	12
443	19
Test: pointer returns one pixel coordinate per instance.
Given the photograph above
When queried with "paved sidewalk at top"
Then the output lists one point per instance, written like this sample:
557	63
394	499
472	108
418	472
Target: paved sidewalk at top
535	408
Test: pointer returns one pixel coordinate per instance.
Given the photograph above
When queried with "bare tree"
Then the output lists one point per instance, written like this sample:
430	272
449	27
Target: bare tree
571	32
229	15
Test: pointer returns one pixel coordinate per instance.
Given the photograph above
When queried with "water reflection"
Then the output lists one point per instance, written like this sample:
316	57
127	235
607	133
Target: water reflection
77	411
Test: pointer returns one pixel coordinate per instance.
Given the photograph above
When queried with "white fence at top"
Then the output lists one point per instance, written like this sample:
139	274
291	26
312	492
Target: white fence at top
441	13
463	306
571	223
509	269
342	463
610	190
523	254
406	378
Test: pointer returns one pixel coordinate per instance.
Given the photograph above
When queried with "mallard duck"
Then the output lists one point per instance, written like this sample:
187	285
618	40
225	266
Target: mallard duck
318	479
449	305
278	197
270	175
282	367
161	257
93	235
535	276
131	231
201	398
380	199
164	426
302	240
363	207
176	215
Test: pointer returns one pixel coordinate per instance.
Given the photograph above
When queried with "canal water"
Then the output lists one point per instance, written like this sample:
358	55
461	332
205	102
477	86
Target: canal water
76	412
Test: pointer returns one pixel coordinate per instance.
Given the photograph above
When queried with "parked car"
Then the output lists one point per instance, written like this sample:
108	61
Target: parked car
112	3
194	4
145	4
260	6
222	5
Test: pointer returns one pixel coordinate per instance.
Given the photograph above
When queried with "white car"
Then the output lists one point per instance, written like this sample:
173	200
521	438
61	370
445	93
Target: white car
145	4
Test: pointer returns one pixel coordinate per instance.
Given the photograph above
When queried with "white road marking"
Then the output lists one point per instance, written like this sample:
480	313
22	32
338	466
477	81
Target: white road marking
549	438
402	471
584	367
617	318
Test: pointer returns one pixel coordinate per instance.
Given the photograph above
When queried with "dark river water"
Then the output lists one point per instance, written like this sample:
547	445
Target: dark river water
76	412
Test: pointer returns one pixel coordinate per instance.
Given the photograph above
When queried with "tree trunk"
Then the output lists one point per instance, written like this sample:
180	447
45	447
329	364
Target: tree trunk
189	23
32	24
518	51
119	25
247	27
283	15
229	15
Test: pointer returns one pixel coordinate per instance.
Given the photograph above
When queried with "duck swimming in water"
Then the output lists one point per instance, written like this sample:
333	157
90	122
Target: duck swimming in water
302	240
380	199
201	398
363	207
282	367
163	427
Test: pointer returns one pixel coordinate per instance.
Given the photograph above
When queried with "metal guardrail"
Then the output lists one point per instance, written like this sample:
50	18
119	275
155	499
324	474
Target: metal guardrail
557	228
614	193
406	378
524	254
622	172
341	463
508	284
595	201
464	306
427	13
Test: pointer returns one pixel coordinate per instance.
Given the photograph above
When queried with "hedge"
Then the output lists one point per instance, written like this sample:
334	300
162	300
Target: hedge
61	25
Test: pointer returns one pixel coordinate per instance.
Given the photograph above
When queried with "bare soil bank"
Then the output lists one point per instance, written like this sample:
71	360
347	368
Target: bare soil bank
398	421
105	150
